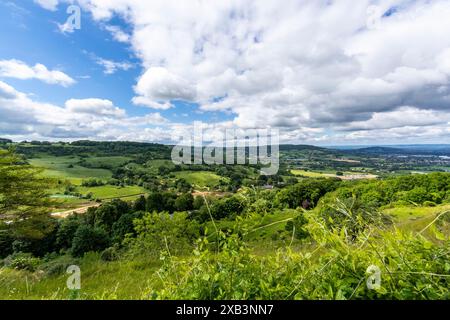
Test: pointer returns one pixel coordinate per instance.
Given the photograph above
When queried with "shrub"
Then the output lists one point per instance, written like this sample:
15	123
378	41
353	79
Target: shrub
22	261
161	231
110	254
297	226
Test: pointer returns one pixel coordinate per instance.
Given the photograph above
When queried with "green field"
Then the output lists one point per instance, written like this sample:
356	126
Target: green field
310	174
346	175
66	168
107	162
200	179
106	192
417	218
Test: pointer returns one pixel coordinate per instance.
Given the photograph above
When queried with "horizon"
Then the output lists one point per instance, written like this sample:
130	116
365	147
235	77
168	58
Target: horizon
281	144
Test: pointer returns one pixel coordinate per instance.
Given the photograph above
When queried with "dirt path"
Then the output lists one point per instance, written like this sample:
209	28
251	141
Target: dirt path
81	210
84	209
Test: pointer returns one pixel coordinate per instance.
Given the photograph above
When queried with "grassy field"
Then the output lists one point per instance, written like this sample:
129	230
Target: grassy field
347	175
310	174
66	168
200	179
153	166
417	218
105	162
106	192
99	280
135	279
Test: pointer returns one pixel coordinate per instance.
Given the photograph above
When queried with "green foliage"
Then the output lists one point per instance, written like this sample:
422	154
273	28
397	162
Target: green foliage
125	225
155	202
184	202
110	254
22	261
140	204
411	268
92	183
306	193
107	214
66	231
24	200
160	231
297	227
88	238
351	216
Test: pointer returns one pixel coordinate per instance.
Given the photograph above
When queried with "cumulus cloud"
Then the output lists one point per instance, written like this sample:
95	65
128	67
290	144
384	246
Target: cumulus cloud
300	65
48	4
20	70
94	106
23	118
158	84
321	71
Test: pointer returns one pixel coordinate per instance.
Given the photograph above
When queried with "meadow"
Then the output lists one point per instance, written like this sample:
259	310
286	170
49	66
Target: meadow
68	168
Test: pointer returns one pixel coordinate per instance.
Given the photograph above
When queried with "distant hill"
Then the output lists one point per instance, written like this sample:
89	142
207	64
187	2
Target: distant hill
302	147
5	141
423	149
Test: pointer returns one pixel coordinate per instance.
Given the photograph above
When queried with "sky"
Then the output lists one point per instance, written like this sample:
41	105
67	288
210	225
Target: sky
323	72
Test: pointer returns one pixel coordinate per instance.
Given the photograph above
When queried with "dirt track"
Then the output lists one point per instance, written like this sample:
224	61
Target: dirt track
80	210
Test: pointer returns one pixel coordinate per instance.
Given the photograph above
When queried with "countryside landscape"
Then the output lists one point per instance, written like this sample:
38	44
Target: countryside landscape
225	157
141	227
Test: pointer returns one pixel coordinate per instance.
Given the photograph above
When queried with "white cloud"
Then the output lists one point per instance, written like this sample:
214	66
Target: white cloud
94	106
111	67
48	4
319	70
158	84
23	118
20	70
300	65
118	34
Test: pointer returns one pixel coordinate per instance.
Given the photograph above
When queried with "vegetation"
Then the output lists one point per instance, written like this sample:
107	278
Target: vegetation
241	236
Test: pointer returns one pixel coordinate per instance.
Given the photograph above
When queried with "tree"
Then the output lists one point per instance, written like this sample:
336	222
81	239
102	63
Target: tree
140	204
88	238
155	202
107	214
184	202
125	225
66	231
24	198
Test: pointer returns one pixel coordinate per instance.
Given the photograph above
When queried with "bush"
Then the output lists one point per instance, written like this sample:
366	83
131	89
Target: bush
337	271
161	231
297	225
57	266
110	254
22	261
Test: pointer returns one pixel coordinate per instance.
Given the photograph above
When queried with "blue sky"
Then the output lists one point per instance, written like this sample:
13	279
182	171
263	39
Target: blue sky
33	34
324	73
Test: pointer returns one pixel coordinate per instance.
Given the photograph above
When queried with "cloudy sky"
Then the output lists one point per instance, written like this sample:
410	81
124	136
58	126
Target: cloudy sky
324	72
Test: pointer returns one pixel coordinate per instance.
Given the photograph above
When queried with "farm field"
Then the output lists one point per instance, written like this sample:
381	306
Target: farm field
108	192
67	168
200	179
350	175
